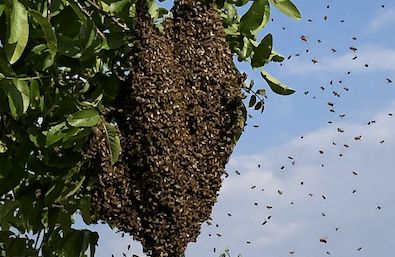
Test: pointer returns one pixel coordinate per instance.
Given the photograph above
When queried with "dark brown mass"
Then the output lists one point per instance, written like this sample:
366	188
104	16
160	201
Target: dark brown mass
179	117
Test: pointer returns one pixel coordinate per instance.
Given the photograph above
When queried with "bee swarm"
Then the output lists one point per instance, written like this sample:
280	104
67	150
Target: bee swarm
181	113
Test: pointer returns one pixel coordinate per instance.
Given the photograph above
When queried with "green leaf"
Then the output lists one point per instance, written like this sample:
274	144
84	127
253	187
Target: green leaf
258	105
261	92
3	147
115	40
2	8
262	52
117	6
93	238
287	7
34	94
18	31
230	13
23	89
76	8
17	92
84	118
276	85
113	142
252	101
276	57
48	31
265	20
55	134
246	50
253	18
76	188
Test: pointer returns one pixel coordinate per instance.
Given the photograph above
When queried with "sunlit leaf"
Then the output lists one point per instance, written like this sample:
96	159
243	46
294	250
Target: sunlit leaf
253	18
276	85
55	133
261	92
84	118
287	7
276	57
18	32
48	31
265	20
113	142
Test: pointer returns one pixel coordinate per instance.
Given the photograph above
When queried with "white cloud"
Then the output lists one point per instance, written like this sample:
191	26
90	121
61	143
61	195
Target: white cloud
377	57
382	20
299	226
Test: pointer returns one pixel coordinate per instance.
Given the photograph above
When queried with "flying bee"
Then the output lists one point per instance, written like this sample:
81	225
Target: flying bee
304	38
324	240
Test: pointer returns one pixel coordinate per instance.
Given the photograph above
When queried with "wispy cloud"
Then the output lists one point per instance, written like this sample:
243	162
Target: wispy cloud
377	58
382	20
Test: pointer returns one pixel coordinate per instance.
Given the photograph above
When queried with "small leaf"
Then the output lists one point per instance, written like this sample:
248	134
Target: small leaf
48	31
276	85
34	93
252	101
288	8
261	92
55	133
258	105
262	52
84	118
253	18
276	57
23	89
265	20
113	142
93	238
246	50
18	31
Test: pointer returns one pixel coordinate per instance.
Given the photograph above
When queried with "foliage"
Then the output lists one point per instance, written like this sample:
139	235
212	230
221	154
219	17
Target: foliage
61	64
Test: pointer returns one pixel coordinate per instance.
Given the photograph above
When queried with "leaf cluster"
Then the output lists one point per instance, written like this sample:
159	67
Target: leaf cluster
61	64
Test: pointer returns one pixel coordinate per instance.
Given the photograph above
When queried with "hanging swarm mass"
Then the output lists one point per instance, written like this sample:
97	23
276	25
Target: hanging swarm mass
180	114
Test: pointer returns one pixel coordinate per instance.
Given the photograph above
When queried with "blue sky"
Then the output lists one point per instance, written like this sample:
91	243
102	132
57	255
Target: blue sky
298	227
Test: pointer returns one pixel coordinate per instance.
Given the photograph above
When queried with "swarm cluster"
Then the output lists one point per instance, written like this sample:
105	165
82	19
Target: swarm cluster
178	117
